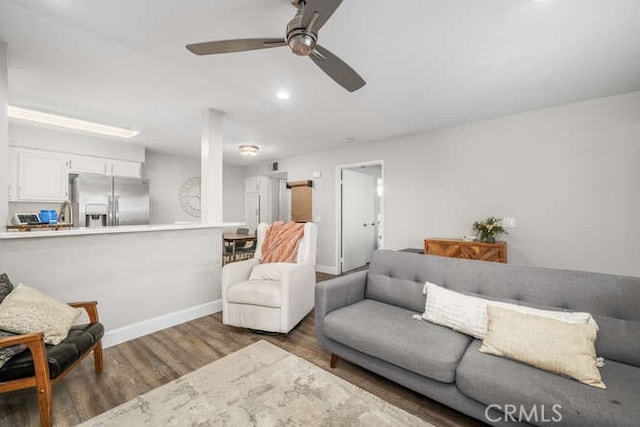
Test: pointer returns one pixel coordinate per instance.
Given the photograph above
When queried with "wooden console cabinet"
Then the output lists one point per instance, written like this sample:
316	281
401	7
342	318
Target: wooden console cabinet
457	248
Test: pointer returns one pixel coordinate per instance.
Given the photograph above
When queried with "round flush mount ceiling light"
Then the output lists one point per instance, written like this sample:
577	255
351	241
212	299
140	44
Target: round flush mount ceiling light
248	150
283	94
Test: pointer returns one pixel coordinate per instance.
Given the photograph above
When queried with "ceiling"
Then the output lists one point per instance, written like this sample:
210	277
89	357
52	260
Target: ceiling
428	64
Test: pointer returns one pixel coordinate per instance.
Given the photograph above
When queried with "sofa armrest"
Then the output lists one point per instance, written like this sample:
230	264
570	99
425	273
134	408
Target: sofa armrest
91	307
339	292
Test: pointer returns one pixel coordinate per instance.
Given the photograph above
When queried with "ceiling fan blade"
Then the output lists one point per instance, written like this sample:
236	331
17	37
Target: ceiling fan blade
324	8
337	69
238	45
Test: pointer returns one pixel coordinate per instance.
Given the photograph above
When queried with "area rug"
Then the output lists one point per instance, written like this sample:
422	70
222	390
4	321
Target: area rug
260	385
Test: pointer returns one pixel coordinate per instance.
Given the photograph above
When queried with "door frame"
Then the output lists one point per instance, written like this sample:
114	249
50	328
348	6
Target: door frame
338	192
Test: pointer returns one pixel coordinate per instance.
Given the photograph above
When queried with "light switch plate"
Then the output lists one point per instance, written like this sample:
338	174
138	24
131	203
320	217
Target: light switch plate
508	222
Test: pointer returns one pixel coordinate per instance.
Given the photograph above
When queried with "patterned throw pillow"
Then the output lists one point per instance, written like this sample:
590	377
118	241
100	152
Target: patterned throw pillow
5	286
7	353
27	310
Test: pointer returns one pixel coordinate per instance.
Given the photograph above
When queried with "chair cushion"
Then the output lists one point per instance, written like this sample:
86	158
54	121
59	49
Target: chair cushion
265	293
390	334
493	380
60	357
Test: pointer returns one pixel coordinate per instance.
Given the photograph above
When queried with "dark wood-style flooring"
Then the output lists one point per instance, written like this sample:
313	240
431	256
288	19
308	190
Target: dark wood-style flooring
140	365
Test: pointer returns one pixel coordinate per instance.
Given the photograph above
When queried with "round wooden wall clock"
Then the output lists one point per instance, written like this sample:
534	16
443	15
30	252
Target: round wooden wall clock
189	196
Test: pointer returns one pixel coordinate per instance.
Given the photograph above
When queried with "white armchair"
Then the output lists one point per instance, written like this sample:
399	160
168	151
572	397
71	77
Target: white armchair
279	299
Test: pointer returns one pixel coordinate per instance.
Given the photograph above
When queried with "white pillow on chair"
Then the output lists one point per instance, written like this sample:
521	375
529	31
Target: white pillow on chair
271	271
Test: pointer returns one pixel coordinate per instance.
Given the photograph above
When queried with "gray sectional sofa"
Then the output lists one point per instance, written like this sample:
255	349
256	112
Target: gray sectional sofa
366	318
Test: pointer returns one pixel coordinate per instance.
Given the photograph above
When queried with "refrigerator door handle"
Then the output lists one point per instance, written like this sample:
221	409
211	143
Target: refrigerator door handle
117	210
109	210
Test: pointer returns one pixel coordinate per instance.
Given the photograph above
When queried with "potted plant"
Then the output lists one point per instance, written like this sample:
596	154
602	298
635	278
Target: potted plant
488	229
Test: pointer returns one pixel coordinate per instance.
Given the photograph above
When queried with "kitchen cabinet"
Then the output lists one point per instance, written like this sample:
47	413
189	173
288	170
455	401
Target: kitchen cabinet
83	164
43	176
102	166
37	176
126	168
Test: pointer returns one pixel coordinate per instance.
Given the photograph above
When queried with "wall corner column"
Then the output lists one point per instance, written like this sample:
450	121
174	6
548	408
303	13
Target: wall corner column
211	167
4	136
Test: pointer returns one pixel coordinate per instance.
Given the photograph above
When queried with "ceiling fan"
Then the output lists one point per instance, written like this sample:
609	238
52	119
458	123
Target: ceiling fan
301	37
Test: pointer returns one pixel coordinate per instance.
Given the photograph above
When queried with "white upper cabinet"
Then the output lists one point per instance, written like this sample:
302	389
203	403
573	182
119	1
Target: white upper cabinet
43	176
83	164
39	176
101	166
126	169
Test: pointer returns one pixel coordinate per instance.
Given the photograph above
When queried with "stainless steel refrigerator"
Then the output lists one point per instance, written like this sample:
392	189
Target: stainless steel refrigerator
103	201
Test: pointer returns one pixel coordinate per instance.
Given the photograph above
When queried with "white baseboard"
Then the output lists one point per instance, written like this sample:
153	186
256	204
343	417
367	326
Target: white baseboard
327	269
129	332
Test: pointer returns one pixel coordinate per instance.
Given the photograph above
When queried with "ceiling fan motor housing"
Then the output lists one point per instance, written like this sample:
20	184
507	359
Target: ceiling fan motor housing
300	39
301	42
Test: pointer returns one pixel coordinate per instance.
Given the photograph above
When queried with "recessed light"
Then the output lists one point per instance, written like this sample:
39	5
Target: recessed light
283	94
67	122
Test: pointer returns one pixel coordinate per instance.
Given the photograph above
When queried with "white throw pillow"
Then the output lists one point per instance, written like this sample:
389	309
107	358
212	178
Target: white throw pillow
27	310
271	271
467	314
555	346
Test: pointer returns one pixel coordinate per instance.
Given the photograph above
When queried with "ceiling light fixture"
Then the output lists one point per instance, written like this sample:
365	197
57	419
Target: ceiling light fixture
283	94
249	150
539	1
67	122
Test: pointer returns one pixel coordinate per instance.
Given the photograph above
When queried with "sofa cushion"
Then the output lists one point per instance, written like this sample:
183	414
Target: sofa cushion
493	380
265	293
398	278
60	357
7	353
389	333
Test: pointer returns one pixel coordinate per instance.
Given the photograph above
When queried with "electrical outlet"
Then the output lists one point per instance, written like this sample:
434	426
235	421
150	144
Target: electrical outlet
508	222
318	218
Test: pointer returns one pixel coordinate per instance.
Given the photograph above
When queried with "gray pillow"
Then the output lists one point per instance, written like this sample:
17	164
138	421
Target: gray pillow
7	353
5	286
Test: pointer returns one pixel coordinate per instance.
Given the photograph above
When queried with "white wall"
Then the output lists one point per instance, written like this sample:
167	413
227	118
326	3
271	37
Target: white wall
42	138
166	173
570	175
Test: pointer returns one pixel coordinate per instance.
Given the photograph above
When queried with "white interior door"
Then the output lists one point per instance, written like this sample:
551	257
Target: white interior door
358	219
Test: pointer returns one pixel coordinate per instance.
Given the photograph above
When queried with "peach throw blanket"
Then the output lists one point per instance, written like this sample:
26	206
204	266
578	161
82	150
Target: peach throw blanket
281	242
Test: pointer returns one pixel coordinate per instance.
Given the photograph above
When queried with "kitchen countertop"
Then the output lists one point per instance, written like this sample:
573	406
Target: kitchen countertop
113	230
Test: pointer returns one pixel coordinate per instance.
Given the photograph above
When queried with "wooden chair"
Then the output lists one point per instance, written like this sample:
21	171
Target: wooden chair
32	368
